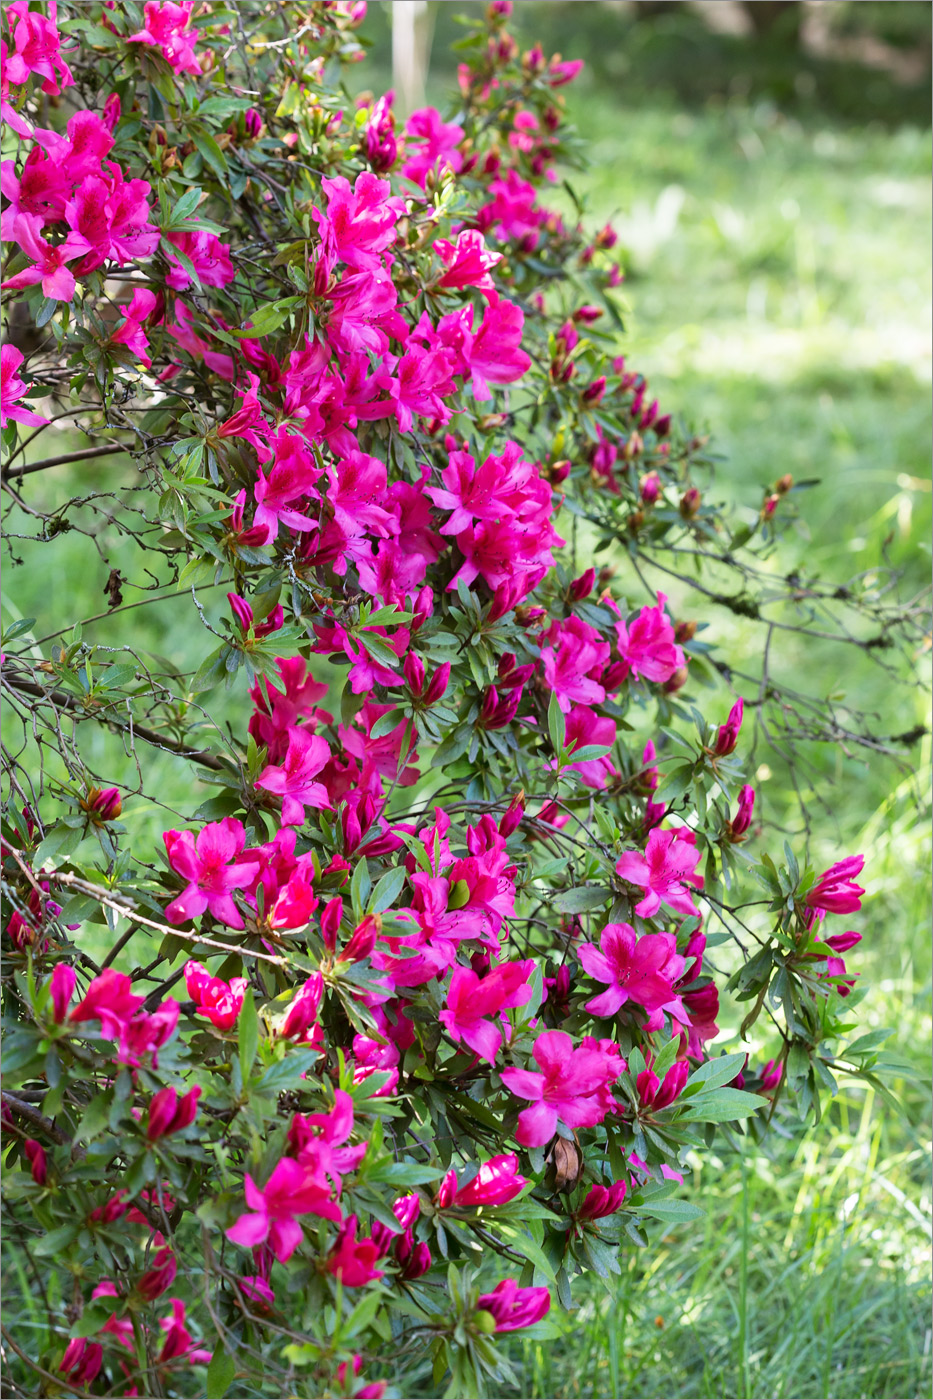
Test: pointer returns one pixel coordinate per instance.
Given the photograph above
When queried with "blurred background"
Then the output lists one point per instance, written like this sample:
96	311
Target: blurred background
767	168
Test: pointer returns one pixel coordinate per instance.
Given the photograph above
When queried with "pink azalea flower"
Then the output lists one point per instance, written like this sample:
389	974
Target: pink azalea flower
497	1182
514	1307
131	333
495	355
209	863
317	1141
640	970
82	1361
13	388
291	1190
567	1089
468	263
663	872
166	28
471	1000
351	1260
357	483
293	779
208	256
48	266
573	653
178	1340
601	1201
648	646
36	48
836	892
220	1001
430	145
110	1000
359	225
291	478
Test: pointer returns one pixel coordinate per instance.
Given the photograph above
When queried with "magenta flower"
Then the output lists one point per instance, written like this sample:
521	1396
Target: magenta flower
351	1260
495	355
648	646
13	388
82	1361
514	1307
663	872
161	1276
601	1201
471	1000
430	145
166	28
468	263
836	892
317	1141
110	1000
48	262
567	1089
641	970
208	256
654	1093
293	779
36	49
291	1190
497	1182
360	222
220	1001
209	864
574	654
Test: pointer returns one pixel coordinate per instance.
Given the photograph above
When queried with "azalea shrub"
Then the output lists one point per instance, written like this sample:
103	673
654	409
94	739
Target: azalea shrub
411	1019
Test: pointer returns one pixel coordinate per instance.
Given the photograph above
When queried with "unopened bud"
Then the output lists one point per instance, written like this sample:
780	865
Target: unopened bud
783	484
685	631
650	488
690	503
677	681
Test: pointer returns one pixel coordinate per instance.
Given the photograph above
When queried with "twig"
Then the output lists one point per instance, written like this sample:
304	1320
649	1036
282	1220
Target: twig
86	454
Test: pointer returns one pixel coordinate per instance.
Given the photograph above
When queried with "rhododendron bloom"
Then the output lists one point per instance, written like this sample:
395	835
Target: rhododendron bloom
351	1260
220	1001
208	256
13	388
471	1000
648	647
359	225
110	1000
209	862
468	263
567	1089
316	1140
430	145
665	870
641	970
514	1307
495	355
836	892
48	262
36	49
166	28
131	333
497	1182
573	652
293	779
291	1190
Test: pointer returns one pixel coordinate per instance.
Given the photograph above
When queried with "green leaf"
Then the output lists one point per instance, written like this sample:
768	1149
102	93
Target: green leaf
248	1035
387	890
56	1241
577	901
221	1371
721	1106
210	671
210	151
60	841
556	725
670	1210
717	1072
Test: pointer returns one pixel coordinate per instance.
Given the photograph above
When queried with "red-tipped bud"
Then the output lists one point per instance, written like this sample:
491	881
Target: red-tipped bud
169	1114
102	805
82	1361
302	1014
154	1282
740	823
662	426
423	608
112	110
685	631
593	393
273	622
241	610
587	314
783	484
446	1191
614	676
61	990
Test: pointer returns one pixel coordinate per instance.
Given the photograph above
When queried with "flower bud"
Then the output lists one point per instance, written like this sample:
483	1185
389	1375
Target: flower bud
331	917
677	681
437	685
82	1361
35	1155
112	110
685	631
362	941
153	1283
423	608
662	426
690	503
783	484
582	587
650	488
413	671
593	393
512	816
241	610
728	734
61	990
446	1191
102	805
737	828
588	314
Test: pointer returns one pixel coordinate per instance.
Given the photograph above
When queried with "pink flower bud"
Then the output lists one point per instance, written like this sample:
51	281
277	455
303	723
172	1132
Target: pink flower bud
273	622
593	393
423	608
161	1276
728	735
331	917
241	610
362	941
771	1076
446	1191
842	942
690	503
303	1012
413	670
112	110
743	816
588	314
61	990
650	488
35	1155
582	587
82	1361
170	1114
512	816
437	686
